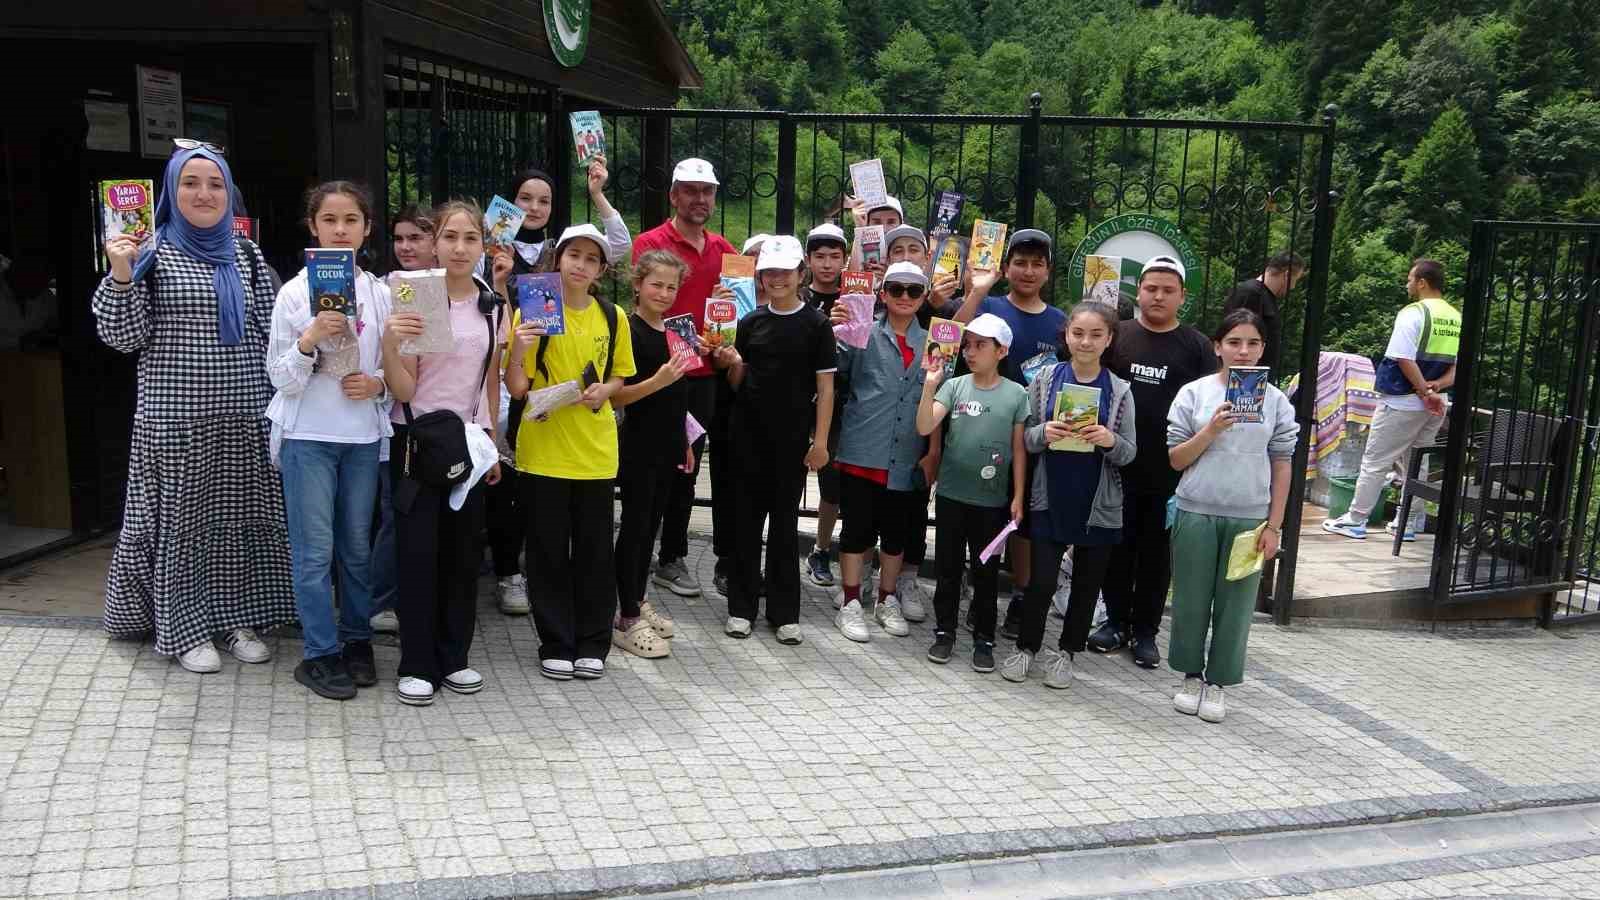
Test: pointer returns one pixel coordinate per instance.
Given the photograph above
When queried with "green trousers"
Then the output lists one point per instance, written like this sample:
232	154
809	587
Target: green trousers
1203	598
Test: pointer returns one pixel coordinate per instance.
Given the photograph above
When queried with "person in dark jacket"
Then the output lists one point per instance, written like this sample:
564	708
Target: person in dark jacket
1262	296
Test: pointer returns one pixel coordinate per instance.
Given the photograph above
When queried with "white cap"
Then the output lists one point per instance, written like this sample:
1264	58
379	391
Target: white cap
1164	264
754	243
694	169
586	231
890	203
827	231
780	252
904	231
990	325
905	272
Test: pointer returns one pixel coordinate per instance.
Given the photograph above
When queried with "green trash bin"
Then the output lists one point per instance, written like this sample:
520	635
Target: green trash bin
1342	490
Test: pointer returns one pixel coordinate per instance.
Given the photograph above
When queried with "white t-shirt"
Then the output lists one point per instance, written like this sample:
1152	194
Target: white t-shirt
1403	343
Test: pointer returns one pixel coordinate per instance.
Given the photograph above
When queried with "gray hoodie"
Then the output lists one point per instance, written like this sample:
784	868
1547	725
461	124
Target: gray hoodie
1106	511
1233	477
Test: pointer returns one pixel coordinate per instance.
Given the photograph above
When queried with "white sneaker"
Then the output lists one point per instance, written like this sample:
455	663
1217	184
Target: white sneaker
1187	699
909	590
464	681
246	647
556	669
850	622
1015	668
202	658
1212	704
737	627
1058	670
589	667
513	593
386	622
890	617
414	691
789	635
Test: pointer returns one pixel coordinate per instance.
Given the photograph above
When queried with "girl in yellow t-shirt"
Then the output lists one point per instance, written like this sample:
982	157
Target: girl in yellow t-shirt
568	461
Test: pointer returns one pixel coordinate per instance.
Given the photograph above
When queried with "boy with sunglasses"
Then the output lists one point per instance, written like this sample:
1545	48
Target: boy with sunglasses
880	449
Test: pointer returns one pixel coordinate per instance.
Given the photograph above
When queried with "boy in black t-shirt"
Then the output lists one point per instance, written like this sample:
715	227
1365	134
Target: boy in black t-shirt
1157	356
781	366
825	255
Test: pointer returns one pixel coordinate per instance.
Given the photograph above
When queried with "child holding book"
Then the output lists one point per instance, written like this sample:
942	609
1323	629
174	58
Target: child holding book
654	450
1076	489
975	497
825	255
880	449
436	538
1234	488
781	367
325	434
567	461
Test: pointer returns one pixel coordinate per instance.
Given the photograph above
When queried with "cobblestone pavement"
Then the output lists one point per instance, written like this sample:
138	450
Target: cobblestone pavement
736	760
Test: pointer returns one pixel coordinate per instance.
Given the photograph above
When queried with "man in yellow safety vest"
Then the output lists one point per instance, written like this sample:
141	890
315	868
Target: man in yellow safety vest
1418	365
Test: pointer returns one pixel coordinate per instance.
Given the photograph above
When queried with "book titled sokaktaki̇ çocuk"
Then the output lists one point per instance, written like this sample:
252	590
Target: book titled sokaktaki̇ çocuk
1247	392
539	302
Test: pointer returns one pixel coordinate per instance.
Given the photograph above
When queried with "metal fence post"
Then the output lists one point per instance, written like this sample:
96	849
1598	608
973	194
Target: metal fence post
1028	162
654	170
1310	357
786	188
557	141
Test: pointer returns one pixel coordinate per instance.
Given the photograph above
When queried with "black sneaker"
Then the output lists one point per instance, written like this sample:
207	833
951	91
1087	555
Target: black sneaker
719	583
1012	627
1108	638
326	677
358	662
1145	654
982	656
818	569
944	644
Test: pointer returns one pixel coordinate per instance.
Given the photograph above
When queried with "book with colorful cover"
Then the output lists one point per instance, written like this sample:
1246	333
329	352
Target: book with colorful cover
946	215
947	258
501	222
867	179
855	282
246	227
423	292
944	340
1079	407
128	207
722	322
737	265
1102	280
588	135
869	244
539	301
681	335
1247	392
988	245
331	280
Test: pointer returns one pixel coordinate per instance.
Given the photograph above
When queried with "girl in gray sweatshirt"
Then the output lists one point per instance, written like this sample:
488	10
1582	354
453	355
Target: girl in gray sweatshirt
1235	480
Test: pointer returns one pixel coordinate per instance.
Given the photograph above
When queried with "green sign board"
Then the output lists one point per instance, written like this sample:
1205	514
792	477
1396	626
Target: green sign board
566	22
1105	266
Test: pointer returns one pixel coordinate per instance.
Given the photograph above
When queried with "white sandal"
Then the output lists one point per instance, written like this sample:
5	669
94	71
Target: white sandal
658	619
641	640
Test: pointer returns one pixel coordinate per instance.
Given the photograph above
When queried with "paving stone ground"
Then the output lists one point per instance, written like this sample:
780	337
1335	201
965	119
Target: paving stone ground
733	760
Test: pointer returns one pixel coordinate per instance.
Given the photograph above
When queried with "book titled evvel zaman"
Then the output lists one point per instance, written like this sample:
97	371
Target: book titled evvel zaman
1247	392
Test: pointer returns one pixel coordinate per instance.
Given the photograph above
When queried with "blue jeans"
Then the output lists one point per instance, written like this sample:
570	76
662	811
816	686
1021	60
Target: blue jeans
383	559
328	492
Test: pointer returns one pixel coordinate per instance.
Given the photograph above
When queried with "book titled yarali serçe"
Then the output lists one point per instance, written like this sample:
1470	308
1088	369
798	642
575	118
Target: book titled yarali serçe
423	292
127	207
1079	407
1247	392
539	302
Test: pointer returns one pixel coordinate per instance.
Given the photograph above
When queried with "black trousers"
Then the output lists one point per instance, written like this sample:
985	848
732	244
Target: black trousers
917	538
771	479
571	578
646	486
1088	576
711	403
506	520
1141	566
437	554
963	531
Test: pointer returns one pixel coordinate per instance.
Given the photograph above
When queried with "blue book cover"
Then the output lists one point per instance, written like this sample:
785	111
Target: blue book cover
331	277
539	300
501	222
1247	392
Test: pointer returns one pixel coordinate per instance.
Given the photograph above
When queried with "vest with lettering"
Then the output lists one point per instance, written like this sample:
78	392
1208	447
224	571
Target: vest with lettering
1436	348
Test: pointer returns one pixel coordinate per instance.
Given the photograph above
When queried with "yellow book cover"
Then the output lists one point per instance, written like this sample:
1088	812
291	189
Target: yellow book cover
1078	406
1244	559
988	245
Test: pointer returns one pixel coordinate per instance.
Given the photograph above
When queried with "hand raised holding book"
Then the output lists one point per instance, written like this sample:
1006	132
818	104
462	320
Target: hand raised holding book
121	251
524	337
400	327
1055	431
725	358
981	283
500	270
933	370
1098	435
721	292
598	174
1221	420
325	325
839	315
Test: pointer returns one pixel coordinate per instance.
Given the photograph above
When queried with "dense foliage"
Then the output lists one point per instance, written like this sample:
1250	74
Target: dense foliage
1447	111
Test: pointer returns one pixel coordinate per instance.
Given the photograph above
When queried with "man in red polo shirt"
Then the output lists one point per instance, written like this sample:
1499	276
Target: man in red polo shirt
694	198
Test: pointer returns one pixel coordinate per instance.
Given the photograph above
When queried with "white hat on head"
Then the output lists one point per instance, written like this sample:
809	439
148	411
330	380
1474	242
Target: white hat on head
754	242
904	231
906	272
1164	264
694	169
990	325
889	203
827	231
586	231
780	252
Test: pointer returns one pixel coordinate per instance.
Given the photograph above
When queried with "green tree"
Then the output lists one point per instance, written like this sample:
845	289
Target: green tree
1442	180
909	80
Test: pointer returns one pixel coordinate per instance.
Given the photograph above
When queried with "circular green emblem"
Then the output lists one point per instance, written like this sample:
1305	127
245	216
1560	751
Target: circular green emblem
566	22
1105	266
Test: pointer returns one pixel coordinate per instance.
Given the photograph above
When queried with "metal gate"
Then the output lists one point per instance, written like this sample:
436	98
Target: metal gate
1518	512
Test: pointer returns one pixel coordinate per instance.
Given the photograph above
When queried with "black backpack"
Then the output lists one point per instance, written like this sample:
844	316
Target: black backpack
607	308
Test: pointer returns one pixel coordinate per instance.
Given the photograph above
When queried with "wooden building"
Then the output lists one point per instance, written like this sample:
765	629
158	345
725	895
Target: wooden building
418	99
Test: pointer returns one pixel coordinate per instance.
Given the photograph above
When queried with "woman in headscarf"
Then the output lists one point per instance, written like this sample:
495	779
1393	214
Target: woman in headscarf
204	548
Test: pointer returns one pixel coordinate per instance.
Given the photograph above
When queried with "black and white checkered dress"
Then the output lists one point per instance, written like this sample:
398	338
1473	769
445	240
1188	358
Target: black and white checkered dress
204	545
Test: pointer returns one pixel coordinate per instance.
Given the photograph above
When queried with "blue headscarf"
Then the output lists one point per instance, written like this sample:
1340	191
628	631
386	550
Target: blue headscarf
214	245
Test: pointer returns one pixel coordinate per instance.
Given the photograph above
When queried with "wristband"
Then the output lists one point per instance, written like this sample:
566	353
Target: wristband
119	282
1276	529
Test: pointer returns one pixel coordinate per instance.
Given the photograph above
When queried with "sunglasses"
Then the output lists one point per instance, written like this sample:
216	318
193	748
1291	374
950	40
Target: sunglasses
192	144
914	291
